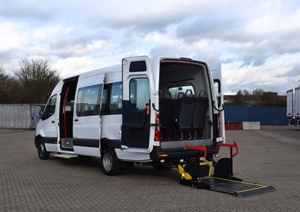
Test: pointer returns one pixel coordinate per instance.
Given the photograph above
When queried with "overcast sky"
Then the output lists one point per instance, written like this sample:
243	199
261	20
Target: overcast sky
257	42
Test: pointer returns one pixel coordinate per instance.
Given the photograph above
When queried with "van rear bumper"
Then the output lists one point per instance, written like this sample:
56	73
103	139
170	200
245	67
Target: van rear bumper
178	153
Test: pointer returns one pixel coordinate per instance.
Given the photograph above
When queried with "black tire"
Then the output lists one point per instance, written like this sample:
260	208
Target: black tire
109	162
42	152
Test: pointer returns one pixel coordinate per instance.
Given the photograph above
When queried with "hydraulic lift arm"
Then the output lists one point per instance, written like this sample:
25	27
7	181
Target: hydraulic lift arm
224	167
191	172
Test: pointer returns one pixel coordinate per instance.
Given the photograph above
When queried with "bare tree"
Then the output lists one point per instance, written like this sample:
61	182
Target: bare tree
258	91
6	83
36	79
258	98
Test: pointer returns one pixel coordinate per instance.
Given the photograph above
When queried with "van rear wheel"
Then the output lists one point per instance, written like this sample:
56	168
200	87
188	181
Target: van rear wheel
109	162
42	152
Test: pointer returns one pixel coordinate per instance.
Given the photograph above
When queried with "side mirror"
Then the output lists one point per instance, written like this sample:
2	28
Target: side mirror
40	114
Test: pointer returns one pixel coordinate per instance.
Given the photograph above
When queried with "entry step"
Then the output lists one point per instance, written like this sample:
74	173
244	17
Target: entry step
66	156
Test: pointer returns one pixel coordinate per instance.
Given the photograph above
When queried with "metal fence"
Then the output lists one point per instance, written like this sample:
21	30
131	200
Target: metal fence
25	116
264	115
19	116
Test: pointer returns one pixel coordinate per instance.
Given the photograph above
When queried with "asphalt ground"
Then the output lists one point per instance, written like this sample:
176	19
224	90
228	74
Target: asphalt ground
268	156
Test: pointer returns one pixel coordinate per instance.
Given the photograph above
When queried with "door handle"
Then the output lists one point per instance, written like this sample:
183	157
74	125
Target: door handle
53	121
75	119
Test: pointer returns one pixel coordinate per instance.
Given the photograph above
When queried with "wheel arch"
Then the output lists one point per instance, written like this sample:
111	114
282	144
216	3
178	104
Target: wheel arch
113	144
37	140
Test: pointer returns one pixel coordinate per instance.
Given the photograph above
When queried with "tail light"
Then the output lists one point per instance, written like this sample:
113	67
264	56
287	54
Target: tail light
157	130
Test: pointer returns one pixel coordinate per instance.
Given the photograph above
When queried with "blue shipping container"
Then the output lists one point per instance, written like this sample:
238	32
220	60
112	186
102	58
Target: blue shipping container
264	115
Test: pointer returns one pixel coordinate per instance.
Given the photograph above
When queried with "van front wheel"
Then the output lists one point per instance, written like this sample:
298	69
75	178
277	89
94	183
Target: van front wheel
109	162
42	152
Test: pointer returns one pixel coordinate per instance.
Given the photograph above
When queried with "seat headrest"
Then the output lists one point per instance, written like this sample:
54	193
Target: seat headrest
201	93
180	95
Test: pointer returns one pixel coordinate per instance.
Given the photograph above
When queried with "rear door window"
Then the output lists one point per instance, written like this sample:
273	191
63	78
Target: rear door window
139	92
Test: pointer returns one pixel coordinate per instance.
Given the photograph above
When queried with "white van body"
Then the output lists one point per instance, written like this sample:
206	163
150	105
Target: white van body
293	107
144	110
290	101
297	106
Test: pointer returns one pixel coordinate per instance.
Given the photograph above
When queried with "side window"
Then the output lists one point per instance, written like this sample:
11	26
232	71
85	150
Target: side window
88	100
104	100
139	92
50	108
217	88
116	98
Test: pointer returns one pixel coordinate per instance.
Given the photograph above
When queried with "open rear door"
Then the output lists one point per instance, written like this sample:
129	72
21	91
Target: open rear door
137	81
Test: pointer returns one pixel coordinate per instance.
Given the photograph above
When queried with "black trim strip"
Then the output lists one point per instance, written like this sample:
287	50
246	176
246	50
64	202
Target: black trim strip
49	140
86	142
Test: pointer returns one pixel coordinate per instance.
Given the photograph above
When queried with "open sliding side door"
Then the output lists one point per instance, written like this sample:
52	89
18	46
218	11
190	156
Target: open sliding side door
87	120
137	81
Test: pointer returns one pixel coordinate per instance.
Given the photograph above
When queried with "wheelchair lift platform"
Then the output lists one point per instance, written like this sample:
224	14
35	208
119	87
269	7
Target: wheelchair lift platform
235	187
198	174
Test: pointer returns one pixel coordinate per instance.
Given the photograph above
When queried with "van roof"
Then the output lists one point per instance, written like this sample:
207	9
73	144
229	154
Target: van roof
109	69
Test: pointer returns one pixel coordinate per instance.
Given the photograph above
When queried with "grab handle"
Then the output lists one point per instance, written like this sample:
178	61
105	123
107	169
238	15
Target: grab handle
234	145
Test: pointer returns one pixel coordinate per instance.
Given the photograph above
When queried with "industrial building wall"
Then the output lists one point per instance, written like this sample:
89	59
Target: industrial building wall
19	116
264	115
